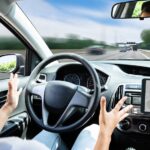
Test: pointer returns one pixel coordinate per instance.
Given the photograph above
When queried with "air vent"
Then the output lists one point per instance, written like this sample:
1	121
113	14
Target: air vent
118	95
133	86
41	78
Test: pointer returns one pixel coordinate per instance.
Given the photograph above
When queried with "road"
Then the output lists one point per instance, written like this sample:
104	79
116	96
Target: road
115	54
109	55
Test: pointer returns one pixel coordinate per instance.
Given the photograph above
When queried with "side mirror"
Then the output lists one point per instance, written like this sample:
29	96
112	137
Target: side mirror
131	9
12	63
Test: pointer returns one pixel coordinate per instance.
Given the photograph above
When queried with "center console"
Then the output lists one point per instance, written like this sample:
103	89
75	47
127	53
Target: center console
137	121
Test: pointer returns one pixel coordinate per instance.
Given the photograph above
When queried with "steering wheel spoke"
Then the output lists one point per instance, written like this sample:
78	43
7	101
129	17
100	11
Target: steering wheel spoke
45	114
81	98
38	89
66	115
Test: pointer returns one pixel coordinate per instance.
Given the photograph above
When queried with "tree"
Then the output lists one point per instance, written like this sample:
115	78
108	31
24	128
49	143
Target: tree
145	36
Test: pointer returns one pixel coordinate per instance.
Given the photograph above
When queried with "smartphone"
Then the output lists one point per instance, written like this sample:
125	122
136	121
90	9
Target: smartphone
145	107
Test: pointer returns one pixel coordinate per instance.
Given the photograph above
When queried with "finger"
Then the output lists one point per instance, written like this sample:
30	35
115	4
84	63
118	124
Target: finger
20	90
124	116
103	105
16	76
125	110
10	85
11	76
120	103
15	81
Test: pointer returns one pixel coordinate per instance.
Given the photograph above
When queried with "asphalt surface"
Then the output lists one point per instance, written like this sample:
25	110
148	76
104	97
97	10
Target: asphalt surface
115	54
109	55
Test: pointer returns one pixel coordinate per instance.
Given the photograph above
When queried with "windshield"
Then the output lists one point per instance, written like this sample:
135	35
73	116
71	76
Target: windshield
85	27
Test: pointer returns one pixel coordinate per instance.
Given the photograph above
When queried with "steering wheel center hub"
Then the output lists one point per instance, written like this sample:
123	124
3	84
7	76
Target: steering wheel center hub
58	95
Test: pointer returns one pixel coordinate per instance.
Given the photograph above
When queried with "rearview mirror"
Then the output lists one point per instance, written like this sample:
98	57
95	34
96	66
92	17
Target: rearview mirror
131	9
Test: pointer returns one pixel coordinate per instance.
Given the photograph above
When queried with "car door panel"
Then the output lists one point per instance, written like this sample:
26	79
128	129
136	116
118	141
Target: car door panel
3	96
16	126
18	120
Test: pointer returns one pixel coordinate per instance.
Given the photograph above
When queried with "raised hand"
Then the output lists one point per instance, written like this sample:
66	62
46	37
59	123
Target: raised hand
109	120
13	94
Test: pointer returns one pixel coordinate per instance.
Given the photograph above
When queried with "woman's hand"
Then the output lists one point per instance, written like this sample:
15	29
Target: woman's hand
12	95
109	120
11	101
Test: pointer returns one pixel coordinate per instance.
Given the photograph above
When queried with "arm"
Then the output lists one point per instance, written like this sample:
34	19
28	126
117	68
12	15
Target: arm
108	122
11	101
103	142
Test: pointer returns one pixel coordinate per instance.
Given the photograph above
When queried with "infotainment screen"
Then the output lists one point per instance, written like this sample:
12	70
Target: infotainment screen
145	96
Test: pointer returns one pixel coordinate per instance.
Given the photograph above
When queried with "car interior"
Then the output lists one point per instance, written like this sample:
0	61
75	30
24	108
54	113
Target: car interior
61	92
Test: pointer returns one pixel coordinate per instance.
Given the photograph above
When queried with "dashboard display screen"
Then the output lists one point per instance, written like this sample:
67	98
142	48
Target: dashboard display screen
146	95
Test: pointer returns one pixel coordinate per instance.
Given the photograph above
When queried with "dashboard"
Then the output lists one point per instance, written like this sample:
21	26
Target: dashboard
120	78
79	75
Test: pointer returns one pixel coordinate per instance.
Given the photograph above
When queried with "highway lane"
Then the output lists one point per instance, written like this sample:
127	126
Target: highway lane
115	54
108	55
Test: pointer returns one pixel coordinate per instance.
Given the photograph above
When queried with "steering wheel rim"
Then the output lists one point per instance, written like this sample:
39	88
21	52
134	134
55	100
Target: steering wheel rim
93	103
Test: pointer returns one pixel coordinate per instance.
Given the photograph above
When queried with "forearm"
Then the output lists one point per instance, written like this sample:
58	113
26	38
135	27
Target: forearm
103	142
5	111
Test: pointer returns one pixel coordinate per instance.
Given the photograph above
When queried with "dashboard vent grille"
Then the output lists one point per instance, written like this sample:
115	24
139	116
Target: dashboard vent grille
135	70
118	95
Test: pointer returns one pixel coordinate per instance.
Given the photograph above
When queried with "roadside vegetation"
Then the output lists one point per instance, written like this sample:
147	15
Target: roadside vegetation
74	42
145	36
7	67
71	42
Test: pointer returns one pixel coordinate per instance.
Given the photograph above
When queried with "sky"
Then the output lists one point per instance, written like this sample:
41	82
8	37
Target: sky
84	18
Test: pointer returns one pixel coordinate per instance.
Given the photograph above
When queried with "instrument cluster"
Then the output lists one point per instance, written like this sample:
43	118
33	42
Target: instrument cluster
79	76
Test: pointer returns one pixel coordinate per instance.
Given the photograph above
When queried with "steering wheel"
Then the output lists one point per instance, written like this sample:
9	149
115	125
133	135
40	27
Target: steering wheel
61	97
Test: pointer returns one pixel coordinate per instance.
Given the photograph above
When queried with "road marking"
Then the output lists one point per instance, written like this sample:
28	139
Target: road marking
145	55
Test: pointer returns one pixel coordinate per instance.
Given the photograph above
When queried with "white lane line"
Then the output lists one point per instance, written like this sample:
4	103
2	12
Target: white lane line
144	55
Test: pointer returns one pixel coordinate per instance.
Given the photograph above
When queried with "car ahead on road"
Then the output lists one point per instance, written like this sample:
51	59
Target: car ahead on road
135	47
96	50
63	97
123	49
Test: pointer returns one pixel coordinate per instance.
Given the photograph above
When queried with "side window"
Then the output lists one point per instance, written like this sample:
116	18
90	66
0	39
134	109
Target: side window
12	54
